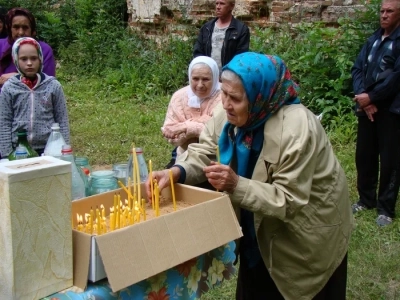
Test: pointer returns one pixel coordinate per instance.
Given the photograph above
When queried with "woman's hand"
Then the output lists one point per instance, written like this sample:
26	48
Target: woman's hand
221	177
163	179
171	134
5	77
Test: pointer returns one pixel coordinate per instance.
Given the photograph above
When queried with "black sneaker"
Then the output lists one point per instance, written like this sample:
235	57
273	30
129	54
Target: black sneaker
170	164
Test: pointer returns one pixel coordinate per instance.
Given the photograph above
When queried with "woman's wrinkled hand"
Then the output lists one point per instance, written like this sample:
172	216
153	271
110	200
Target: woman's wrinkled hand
221	177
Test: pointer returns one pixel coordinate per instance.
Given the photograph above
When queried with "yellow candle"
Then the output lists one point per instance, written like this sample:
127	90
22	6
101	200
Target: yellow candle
87	226
127	191
171	179
122	217
104	225
137	175
98	226
103	211
112	219
97	216
77	219
80	226
132	216
91	220
118	222
151	183
157	201
135	179
144	209
115	201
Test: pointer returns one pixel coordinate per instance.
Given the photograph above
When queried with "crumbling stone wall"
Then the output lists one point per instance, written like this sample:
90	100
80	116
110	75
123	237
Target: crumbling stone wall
173	15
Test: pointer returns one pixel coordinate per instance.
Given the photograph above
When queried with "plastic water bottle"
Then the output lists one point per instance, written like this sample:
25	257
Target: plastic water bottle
143	171
78	185
55	142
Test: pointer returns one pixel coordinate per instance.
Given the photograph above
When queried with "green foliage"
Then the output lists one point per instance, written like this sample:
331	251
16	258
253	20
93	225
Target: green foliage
320	59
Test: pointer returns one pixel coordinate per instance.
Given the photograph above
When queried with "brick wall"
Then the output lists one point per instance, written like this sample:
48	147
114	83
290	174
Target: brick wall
153	16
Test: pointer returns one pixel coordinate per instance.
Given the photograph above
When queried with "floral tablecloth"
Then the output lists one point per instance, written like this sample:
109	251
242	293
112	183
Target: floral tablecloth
185	281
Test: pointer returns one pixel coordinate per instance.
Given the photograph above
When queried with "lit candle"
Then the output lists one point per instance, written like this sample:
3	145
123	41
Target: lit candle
151	183
77	219
171	179
91	220
87	225
80	226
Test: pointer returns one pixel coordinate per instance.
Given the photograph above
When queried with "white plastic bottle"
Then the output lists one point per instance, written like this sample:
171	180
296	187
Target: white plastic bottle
77	185
55	142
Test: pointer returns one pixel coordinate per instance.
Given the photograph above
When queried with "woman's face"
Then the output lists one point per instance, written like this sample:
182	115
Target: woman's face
234	101
20	27
201	81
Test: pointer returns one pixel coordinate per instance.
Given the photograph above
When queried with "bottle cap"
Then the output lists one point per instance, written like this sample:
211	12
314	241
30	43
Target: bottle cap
66	149
138	150
55	126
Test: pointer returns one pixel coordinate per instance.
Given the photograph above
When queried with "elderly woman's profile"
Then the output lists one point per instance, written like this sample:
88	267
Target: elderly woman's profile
284	181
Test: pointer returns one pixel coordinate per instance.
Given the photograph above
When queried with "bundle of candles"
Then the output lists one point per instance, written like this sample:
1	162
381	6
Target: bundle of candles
128	213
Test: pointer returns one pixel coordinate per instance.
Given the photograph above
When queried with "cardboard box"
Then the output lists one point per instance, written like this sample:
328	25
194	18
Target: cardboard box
35	228
137	252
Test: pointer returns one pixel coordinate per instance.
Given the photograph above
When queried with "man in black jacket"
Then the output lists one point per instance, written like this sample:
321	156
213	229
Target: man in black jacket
224	36
376	77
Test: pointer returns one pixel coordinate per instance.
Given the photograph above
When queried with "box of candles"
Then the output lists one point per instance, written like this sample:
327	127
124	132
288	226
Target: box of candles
35	228
138	239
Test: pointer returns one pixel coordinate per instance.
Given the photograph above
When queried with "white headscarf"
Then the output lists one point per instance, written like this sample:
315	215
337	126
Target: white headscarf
195	101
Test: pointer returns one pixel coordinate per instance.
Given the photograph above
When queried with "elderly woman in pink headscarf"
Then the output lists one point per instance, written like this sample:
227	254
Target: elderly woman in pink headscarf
192	106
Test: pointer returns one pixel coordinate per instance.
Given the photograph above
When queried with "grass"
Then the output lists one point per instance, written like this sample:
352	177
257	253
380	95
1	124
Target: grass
106	119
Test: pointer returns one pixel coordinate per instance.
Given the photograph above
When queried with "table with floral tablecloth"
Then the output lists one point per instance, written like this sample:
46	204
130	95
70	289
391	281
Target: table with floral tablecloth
185	281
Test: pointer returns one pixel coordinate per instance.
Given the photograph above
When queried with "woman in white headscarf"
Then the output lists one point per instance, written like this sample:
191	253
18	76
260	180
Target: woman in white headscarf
192	106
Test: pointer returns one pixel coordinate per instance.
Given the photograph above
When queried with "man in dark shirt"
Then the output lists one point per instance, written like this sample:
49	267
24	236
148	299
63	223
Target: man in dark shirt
224	36
376	78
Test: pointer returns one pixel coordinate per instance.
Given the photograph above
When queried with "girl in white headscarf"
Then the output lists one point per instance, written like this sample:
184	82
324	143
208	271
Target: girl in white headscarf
192	106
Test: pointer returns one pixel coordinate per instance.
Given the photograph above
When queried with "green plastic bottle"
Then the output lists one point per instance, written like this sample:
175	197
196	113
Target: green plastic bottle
23	142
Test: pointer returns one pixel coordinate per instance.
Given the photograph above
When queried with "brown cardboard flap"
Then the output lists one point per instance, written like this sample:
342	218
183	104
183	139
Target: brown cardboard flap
135	253
81	247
